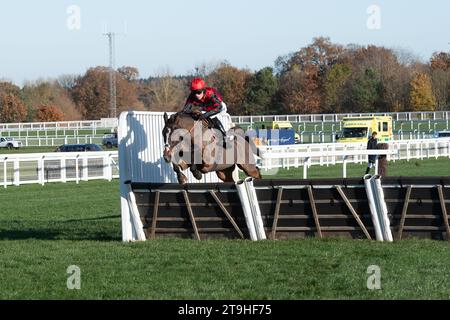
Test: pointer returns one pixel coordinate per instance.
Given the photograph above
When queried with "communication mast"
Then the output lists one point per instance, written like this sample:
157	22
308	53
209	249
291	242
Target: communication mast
112	75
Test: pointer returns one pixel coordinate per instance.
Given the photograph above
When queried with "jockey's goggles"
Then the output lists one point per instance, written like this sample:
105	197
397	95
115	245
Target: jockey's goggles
198	91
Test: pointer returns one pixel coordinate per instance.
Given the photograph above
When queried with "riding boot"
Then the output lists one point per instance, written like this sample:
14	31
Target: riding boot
218	125
367	170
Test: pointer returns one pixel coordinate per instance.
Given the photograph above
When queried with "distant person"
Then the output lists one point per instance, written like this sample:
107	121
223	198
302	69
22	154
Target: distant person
372	145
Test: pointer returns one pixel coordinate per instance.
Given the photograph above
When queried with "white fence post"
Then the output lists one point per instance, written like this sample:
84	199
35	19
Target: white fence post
41	170
344	167
5	177
85	168
107	167
436	150
62	164
16	181
76	169
305	168
448	148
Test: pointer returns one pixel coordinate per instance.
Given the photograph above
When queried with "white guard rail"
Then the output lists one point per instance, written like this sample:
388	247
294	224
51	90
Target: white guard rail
17	169
295	156
336	117
53	141
325	117
59	125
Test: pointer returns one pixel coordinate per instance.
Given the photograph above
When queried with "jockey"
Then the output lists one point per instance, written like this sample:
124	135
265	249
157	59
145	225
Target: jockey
208	100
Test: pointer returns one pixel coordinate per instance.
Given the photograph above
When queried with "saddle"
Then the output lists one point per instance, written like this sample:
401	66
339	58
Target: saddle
212	123
208	123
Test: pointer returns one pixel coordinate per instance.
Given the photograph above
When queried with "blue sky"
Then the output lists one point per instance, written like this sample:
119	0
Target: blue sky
36	43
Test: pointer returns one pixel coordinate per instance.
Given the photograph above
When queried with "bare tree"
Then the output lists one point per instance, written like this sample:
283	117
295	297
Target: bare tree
167	93
67	81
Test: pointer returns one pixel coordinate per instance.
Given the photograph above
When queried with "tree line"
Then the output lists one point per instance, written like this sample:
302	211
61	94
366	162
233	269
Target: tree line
322	77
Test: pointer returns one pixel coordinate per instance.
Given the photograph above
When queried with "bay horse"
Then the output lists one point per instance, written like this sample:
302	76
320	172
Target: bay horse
193	144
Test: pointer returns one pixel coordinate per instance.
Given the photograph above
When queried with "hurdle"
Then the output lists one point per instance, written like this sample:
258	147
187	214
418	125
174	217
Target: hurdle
140	154
154	205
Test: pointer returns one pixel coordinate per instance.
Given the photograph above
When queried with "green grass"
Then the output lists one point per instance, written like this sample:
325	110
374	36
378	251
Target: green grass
45	229
27	150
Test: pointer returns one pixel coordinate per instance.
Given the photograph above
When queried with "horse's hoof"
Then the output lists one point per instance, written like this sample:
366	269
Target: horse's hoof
197	175
182	180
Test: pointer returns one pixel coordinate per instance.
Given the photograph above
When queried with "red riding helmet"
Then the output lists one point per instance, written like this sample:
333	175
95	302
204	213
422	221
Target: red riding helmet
198	84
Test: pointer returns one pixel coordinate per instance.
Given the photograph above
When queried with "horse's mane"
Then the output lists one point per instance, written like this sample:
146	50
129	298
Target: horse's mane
180	114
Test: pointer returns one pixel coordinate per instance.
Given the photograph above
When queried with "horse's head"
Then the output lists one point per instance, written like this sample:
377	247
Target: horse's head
172	133
169	124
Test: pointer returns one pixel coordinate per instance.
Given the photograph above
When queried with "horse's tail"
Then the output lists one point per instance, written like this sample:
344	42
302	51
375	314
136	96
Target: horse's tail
254	147
239	131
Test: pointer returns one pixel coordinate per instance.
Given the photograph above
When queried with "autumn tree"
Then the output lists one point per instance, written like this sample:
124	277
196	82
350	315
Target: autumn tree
440	78
232	84
302	75
440	60
321	53
12	108
49	92
298	90
91	94
421	94
394	82
391	70
48	113
441	87
9	87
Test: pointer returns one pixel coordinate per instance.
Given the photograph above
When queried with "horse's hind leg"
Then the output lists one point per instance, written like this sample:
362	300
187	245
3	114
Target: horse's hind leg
226	175
182	179
195	172
250	170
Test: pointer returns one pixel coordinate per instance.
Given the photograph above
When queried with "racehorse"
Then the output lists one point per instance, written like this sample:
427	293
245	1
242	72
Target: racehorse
191	143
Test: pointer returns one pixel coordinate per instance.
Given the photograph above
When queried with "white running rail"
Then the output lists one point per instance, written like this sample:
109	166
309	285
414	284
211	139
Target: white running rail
17	169
326	154
41	168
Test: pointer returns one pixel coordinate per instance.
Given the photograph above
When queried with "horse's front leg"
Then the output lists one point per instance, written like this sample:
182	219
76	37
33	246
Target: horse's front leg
182	179
196	162
196	172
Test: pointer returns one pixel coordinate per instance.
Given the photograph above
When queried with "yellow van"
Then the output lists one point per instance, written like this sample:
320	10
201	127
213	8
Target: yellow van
278	125
359	129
